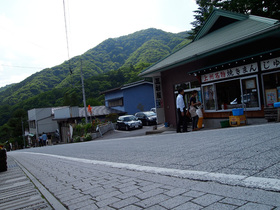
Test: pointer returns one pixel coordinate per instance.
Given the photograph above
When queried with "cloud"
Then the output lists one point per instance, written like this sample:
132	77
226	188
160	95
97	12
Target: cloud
33	32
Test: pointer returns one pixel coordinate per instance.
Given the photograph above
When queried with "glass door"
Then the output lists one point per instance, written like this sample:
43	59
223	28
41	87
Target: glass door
250	93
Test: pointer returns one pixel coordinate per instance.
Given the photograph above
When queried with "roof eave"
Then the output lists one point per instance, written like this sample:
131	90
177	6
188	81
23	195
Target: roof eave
260	35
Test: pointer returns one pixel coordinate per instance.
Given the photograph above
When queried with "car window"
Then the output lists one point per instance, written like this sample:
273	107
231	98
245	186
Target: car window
129	118
149	114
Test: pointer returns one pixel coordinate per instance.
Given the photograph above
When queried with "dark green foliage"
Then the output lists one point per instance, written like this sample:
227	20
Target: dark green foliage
111	64
263	8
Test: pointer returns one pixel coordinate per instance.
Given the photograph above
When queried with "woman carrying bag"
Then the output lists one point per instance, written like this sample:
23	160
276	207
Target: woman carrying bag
193	108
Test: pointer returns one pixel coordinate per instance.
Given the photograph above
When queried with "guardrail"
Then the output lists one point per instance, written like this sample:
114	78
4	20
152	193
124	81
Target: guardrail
102	129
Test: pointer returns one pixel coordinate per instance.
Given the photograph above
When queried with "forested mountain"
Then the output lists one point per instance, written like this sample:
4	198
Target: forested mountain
110	64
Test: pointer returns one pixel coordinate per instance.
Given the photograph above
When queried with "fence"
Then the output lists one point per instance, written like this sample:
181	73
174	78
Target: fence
102	129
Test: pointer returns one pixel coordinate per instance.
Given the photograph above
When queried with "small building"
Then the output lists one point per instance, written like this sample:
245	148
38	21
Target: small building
58	120
131	98
233	62
65	117
41	120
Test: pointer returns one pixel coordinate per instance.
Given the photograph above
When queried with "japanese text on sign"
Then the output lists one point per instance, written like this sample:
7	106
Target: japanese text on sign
232	72
270	64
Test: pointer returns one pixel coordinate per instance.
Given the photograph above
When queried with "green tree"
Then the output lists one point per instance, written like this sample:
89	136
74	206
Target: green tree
264	8
5	133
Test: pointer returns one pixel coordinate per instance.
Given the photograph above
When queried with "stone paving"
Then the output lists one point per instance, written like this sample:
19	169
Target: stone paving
80	185
17	191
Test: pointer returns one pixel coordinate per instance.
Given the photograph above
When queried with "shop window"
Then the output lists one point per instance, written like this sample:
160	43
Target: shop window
271	88
250	93
209	97
231	94
228	94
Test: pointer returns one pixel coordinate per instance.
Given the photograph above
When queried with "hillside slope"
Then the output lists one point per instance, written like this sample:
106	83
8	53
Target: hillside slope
146	46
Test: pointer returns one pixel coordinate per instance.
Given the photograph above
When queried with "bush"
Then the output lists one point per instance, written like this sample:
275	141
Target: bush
78	129
89	128
77	139
83	129
88	137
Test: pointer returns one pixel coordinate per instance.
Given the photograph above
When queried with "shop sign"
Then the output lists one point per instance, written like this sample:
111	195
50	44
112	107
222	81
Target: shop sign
270	64
158	93
228	73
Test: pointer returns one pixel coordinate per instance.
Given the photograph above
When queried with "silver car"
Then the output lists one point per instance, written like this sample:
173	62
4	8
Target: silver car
128	122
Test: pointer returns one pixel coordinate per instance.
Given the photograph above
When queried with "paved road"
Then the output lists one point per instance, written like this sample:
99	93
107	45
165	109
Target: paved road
234	168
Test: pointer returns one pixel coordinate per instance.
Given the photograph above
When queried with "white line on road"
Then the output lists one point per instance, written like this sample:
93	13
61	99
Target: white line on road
229	179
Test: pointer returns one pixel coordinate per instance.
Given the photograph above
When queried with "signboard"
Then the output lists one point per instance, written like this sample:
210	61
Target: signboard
271	96
228	73
158	93
270	64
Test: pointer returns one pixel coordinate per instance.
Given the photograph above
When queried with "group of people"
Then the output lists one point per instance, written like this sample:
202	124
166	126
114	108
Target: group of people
185	113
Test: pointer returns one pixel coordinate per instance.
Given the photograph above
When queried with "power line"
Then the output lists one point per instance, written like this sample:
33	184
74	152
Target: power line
29	67
66	36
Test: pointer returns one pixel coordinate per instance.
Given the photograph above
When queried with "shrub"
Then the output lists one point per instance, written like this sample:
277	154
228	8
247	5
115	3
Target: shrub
77	139
88	137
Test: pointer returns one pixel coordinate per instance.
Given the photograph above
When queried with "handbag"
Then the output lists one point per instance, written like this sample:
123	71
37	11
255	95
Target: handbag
193	111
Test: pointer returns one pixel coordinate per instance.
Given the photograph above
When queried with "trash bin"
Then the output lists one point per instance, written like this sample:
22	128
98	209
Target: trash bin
237	112
3	160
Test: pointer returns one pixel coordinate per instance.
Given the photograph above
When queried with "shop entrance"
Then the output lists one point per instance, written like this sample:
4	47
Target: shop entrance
271	83
230	94
188	88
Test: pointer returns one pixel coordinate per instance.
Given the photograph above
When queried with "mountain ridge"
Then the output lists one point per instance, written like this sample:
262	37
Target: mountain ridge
112	63
111	54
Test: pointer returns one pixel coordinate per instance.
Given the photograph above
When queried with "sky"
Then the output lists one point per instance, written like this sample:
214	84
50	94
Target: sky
33	33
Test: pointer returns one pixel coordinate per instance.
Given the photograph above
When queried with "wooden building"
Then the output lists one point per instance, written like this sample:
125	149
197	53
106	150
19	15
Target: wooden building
234	61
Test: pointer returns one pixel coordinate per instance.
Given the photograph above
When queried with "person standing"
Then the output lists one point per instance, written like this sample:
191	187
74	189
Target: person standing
193	108
44	138
181	111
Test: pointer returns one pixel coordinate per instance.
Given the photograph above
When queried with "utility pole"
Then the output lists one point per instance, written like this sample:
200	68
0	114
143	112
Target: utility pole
23	133
83	89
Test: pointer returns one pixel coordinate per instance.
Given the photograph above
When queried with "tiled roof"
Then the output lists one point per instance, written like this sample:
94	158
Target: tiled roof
222	38
99	111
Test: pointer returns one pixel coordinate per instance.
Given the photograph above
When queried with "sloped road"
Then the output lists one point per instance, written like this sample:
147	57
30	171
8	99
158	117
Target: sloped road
234	168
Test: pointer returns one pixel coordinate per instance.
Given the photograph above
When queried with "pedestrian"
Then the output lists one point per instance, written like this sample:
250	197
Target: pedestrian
44	138
181	111
40	141
193	108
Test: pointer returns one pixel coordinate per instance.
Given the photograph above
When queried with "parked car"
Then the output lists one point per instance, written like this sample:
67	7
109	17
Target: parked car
147	118
128	122
153	110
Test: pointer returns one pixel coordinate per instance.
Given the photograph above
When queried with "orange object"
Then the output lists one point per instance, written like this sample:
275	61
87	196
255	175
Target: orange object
89	109
237	120
199	123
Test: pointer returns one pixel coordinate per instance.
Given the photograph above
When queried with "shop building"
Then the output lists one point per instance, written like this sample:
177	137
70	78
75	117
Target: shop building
234	62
